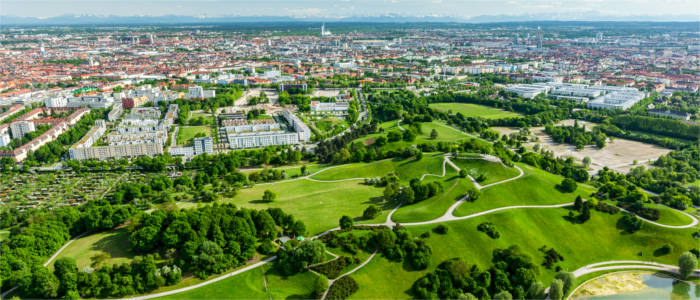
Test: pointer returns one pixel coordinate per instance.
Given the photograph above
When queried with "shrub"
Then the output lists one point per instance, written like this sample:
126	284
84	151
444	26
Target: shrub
489	229
568	185
441	229
371	212
333	268
342	288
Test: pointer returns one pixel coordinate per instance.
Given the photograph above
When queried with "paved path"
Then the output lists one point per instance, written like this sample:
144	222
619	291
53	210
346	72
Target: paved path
622	265
332	281
692	224
201	284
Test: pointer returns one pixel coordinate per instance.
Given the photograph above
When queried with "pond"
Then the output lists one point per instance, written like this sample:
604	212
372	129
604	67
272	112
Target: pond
637	285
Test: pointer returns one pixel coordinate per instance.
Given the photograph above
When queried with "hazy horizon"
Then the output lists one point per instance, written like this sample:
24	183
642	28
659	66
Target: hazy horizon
350	8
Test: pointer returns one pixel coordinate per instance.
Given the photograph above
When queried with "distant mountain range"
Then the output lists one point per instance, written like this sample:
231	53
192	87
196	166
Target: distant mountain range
174	19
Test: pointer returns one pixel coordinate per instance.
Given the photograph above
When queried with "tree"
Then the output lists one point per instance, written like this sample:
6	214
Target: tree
567	279
578	203
463	173
269	196
503	295
346	222
556	289
419	155
473	194
536	291
433	134
586	161
687	263
371	212
568	185
320	285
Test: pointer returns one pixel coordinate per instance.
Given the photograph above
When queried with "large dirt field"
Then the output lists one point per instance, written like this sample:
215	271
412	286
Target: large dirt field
325	93
618	154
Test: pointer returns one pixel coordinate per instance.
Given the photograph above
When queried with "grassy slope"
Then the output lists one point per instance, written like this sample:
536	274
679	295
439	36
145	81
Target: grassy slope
536	187
474	110
454	188
494	171
407	169
113	242
580	244
186	133
670	216
247	285
319	205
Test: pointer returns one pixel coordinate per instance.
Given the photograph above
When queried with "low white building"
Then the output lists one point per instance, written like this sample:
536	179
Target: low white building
56	102
20	128
203	145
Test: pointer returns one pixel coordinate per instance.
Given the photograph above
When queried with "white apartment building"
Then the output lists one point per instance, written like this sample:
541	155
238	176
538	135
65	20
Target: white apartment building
90	101
20	128
203	145
4	139
261	139
56	102
298	125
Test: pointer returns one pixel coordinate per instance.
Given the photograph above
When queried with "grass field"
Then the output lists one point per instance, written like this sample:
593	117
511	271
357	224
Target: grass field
454	189
290	170
445	132
320	205
247	285
493	171
670	216
250	285
474	110
594	241
187	133
113	242
407	169
536	187
4	235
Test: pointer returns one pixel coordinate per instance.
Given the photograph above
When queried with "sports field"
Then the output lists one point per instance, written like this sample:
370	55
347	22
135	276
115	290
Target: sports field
474	110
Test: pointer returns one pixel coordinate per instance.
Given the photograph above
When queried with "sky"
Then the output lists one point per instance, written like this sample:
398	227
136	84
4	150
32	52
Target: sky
346	8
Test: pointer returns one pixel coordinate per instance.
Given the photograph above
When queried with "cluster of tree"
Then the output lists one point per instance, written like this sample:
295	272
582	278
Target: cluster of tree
294	257
334	268
342	288
551	257
415	192
211	239
335	149
583	209
666	142
25	251
254	114
262	98
565	167
490	229
52	151
667	127
629	223
576	135
266	175
512	276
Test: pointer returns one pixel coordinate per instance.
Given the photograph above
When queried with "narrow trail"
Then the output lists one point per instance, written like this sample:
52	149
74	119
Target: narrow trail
621	265
332	281
447	217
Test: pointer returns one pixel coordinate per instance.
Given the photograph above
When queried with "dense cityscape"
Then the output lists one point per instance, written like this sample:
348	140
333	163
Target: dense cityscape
513	160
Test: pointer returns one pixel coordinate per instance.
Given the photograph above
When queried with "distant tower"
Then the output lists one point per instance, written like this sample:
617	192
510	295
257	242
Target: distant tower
539	37
599	36
150	39
516	39
91	61
323	29
41	49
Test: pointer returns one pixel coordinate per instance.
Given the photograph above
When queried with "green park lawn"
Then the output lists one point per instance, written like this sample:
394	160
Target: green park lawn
407	169
206	117
535	187
446	133
187	133
670	216
596	240
250	285
493	171
474	110
113	242
318	204
290	170
454	188
4	235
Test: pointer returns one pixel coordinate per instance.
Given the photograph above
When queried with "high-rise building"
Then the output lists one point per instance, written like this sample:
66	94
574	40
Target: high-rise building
539	37
599	36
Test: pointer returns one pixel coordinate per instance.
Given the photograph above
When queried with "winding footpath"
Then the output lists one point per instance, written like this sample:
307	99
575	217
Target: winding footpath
447	217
